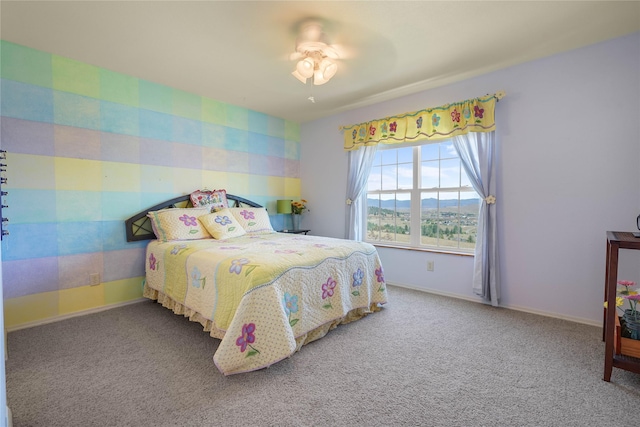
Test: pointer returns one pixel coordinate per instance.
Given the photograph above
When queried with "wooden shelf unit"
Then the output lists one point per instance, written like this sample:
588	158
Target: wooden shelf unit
613	357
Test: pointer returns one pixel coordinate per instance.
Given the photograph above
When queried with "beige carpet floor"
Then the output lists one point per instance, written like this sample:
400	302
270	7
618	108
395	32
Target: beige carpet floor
424	360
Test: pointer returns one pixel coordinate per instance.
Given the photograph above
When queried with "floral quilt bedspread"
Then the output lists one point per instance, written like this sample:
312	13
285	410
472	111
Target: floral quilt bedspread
266	291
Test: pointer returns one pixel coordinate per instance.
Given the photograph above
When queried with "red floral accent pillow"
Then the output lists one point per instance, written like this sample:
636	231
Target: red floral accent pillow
216	199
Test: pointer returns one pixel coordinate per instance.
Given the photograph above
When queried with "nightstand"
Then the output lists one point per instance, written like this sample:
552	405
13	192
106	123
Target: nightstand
295	231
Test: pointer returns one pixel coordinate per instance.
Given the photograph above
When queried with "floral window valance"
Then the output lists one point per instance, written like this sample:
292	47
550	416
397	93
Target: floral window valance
473	115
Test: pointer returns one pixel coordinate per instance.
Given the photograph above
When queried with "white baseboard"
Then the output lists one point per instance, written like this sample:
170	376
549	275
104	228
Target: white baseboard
70	315
436	292
509	307
400	285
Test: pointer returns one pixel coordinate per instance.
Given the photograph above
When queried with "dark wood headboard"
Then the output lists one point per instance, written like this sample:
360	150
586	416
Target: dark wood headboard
139	226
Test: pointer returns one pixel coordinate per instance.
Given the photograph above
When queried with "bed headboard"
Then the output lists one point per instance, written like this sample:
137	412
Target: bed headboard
139	226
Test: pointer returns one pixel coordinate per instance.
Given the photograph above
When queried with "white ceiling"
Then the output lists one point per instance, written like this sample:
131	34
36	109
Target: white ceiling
237	51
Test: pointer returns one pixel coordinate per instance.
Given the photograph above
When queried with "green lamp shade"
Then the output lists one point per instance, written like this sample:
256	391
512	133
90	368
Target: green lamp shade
284	206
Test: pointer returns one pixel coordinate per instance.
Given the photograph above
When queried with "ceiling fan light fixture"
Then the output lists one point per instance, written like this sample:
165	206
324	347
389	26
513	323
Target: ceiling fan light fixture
317	56
328	68
305	67
319	78
300	77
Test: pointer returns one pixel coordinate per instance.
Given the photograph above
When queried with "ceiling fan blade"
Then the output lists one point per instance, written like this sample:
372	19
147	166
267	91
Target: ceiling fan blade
341	51
331	52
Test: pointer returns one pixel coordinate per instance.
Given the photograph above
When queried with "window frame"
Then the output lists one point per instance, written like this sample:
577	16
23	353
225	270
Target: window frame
416	194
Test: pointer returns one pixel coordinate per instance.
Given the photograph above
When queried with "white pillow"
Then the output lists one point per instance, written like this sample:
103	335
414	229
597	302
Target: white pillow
178	224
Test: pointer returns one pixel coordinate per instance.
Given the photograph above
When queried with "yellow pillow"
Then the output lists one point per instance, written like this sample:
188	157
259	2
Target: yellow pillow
178	224
253	220
222	225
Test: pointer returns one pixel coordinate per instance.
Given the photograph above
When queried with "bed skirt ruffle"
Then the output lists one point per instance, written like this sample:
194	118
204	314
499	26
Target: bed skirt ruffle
209	326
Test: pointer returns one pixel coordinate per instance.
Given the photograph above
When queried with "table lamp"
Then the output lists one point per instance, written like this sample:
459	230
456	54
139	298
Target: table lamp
283	206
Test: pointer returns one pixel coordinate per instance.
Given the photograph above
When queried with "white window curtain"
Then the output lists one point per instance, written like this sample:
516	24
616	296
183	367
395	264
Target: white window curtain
477	152
360	162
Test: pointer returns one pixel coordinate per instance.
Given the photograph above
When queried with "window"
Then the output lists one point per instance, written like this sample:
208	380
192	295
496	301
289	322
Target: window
420	196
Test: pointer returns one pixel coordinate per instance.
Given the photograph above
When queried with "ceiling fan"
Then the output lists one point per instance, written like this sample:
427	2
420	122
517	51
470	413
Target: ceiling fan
317	59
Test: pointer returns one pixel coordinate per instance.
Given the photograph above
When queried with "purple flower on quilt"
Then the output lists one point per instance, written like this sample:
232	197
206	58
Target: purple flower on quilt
152	262
357	281
189	221
380	277
237	264
247	214
327	292
478	112
223	220
247	338
328	287
357	278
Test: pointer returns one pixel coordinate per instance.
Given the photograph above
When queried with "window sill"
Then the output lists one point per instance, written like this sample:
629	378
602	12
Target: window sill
432	250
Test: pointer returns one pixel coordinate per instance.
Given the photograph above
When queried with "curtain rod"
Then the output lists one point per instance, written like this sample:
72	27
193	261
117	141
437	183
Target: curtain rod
498	95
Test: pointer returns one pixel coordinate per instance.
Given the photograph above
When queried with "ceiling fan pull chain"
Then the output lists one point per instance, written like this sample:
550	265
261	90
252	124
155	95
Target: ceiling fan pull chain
311	97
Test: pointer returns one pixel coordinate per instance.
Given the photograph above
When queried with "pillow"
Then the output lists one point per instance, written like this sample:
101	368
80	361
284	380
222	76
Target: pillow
178	224
222	225
216	199
253	220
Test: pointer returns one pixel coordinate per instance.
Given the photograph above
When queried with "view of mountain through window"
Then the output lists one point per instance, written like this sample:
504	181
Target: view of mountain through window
420	196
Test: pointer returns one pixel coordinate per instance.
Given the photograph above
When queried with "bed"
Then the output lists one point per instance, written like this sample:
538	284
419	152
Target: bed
264	294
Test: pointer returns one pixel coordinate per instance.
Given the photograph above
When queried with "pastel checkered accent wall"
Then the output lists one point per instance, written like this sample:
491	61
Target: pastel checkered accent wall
88	148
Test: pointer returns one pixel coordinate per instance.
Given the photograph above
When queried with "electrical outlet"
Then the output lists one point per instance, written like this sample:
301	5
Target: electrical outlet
94	279
430	265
